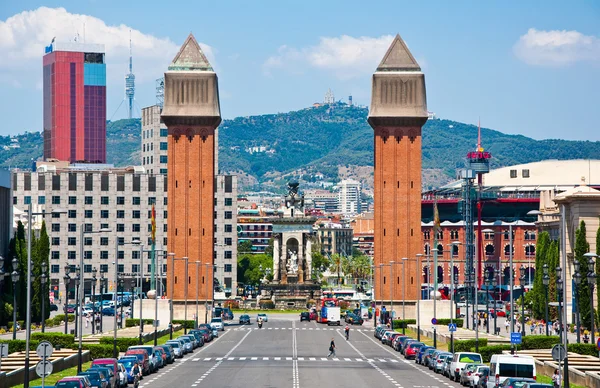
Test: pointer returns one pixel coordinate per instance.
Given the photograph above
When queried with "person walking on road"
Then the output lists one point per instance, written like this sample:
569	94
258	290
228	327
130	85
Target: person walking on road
331	348
506	325
347	332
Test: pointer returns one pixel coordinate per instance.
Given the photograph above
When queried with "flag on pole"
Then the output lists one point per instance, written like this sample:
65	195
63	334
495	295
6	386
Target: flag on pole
436	218
153	224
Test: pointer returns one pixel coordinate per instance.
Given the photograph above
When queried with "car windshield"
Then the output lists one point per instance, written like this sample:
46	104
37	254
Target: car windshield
470	358
67	384
174	344
516	370
216	320
127	363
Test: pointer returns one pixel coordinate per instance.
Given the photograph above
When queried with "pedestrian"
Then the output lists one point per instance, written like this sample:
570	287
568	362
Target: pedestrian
556	379
331	348
347	331
87	321
532	328
506	325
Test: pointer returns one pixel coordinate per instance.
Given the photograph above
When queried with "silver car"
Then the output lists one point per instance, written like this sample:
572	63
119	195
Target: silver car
446	367
438	364
177	347
187	343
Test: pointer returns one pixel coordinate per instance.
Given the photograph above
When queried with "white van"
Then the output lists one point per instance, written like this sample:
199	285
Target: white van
509	365
460	360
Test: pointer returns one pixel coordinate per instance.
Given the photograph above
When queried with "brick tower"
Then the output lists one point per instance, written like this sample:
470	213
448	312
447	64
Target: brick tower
398	111
192	114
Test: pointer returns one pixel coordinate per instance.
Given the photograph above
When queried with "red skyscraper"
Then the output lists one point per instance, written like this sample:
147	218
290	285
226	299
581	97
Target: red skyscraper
75	102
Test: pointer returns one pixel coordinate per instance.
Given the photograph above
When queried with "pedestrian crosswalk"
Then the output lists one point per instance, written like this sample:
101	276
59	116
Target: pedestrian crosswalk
298	328
314	359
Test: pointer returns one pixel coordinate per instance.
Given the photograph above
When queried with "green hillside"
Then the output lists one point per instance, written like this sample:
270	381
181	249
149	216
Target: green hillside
320	139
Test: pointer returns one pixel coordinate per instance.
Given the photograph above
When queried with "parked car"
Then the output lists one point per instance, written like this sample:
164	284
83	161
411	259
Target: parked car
169	352
304	316
264	317
53	307
177	348
412	349
460	360
128	362
402	341
466	373
227	314
483	378
438	364
217	323
161	356
420	359
396	340
505	366
475	376
537	385
390	338
143	359
70	308
96	377
152	358
109	373
515	382
402	345
446	368
109	311
433	358
73	382
187	344
244	319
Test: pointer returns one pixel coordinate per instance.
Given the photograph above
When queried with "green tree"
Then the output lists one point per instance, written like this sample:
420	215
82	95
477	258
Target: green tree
257	268
336	266
20	253
40	253
583	291
319	263
553	262
243	259
538	294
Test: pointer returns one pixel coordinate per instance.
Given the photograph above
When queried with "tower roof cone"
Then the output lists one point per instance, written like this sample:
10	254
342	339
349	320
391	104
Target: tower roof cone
398	58
190	57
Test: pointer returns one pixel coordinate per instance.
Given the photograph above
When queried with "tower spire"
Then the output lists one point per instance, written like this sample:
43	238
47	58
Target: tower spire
130	81
479	149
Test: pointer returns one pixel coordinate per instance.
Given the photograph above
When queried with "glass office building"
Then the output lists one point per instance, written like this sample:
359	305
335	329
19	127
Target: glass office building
75	102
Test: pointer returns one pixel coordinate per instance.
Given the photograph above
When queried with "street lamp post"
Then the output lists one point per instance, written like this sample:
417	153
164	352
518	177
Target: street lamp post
66	280
78	277
577	281
488	284
546	282
15	279
522	279
94	281
185	292
197	292
171	294
420	295
591	278
103	281
141	287
559	288
121	285
392	295
206	300
43	280
495	284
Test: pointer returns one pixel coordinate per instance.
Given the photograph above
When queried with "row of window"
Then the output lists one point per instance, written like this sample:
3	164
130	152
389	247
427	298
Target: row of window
528	235
87	200
136	182
135	268
489	250
104	255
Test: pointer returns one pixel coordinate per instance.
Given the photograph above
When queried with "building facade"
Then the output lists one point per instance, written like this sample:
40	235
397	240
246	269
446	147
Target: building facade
256	226
154	141
335	239
225	258
74	87
117	199
349	198
5	211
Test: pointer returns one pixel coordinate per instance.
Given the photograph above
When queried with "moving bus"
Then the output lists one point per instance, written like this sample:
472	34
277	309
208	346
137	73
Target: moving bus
325	303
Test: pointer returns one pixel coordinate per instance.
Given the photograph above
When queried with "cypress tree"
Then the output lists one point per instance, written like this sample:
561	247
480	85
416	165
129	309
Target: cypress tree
44	256
541	258
21	255
583	290
553	259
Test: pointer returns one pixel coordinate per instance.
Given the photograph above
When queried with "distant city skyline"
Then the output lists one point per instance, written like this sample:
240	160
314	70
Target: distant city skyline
522	68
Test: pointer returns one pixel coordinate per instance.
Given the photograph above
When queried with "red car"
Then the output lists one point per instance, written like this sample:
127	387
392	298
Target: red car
313	316
412	349
72	382
500	313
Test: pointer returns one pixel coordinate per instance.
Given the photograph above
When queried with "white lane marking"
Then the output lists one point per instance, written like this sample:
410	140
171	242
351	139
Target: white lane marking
242	358
277	358
254	358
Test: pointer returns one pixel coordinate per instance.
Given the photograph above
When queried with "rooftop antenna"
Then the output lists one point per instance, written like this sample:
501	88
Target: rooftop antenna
479	149
130	81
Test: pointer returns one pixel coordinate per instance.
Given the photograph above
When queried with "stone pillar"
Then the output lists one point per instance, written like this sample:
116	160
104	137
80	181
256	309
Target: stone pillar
283	262
308	255
276	258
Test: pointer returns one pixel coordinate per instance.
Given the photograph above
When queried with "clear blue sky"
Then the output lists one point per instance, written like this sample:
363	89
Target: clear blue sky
531	68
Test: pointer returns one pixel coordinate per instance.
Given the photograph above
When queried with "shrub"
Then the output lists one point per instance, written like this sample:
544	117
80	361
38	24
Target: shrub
446	322
50	322
189	324
56	339
131	322
400	323
267	304
232	304
467	345
122	342
538	342
19	345
99	351
487	351
2	331
585	349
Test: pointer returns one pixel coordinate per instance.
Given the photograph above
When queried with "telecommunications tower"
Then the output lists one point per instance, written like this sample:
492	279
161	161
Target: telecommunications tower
130	82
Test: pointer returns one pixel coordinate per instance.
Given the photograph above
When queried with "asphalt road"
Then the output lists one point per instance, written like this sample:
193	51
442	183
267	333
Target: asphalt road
289	353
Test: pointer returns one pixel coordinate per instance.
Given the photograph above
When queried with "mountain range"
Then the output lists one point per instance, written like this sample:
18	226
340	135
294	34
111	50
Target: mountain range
334	141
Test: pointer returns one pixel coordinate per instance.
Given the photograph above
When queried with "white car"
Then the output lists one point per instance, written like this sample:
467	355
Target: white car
460	360
263	316
217	323
87	311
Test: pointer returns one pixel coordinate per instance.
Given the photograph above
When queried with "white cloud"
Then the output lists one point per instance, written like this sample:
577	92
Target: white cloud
345	56
24	36
556	48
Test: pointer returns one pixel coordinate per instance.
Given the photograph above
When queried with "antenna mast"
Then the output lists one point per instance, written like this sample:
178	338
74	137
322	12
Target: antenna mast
130	81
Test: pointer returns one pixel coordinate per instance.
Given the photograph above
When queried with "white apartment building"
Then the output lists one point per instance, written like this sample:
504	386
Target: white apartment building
154	141
349	198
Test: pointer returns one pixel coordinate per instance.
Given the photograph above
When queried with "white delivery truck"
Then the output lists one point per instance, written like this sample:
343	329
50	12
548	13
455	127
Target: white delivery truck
503	366
333	316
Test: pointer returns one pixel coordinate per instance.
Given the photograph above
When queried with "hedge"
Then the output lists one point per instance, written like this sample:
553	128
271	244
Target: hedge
267	304
131	322
399	323
585	349
56	339
446	322
467	345
99	351
538	342
122	342
189	324
488	351
60	318
19	345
